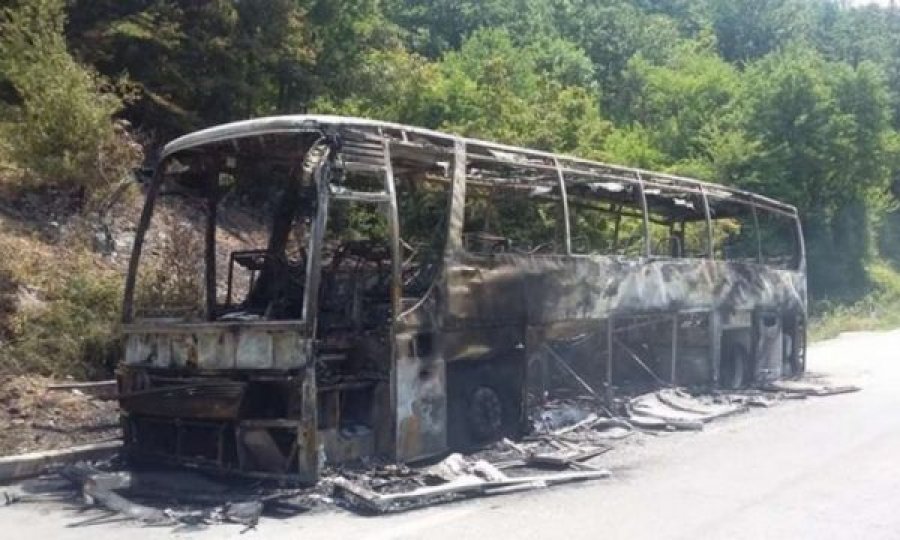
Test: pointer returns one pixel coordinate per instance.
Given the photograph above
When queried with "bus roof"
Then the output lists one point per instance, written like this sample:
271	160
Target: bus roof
297	123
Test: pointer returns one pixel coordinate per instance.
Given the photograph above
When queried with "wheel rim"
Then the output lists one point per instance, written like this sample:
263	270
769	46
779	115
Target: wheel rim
733	370
798	363
485	414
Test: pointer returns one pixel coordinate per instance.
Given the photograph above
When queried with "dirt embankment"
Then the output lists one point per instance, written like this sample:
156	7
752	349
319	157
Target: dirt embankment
60	269
35	417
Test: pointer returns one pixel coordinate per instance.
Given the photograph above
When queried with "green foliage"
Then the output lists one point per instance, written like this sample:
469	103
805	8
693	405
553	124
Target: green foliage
493	89
822	137
679	100
208	62
795	99
611	33
76	334
59	127
749	29
490	89
437	26
878	309
391	84
634	146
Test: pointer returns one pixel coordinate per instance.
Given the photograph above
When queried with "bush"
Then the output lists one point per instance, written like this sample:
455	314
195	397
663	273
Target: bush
75	334
60	313
61	129
877	310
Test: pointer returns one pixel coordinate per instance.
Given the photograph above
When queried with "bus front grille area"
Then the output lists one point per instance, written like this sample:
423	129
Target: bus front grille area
247	425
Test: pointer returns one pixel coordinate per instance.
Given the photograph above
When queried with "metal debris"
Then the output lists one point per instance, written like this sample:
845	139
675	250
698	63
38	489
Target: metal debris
567	436
190	499
810	389
675	409
99	488
464	479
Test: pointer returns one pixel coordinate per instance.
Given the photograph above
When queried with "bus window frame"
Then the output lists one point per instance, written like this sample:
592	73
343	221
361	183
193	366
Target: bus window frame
588	177
552	180
799	254
703	213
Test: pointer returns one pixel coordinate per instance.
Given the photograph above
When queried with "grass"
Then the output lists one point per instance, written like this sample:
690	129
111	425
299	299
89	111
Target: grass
59	309
877	310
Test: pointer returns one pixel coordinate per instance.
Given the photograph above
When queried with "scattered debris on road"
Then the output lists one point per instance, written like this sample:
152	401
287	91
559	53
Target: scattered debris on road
98	389
806	388
566	440
676	409
459	478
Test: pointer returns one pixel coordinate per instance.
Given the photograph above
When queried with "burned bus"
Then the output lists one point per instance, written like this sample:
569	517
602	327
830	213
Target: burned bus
314	289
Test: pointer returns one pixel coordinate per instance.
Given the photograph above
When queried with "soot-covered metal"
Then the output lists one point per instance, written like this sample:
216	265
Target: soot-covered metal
371	289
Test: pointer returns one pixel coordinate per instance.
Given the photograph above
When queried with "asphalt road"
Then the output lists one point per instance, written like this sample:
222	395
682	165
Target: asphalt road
819	468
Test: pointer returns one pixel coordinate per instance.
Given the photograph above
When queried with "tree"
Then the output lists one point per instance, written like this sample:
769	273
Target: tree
864	34
490	89
678	101
60	126
749	29
199	63
611	33
495	90
437	26
822	137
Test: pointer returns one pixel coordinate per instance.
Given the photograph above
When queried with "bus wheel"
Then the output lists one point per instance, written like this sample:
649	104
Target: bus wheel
734	367
797	358
485	414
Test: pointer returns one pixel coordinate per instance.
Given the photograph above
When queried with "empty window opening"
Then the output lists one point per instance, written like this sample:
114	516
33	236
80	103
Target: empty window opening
423	207
677	221
356	266
734	230
604	216
779	239
515	210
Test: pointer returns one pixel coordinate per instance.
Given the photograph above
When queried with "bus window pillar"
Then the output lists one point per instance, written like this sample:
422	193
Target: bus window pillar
608	383
757	233
709	228
715	333
644	214
137	246
715	345
565	207
673	375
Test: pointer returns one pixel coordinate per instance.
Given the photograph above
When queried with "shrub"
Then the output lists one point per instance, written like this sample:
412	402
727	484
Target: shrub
60	310
75	333
877	310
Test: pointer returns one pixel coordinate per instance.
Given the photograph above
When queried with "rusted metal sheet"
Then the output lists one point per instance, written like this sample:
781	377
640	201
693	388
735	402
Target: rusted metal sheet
209	347
542	290
421	402
210	400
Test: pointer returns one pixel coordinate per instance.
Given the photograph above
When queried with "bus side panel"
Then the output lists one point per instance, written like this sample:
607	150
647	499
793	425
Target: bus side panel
421	400
518	291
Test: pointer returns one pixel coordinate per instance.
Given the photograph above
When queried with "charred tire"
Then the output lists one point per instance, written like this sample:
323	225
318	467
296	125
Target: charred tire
797	358
734	371
484	403
485	414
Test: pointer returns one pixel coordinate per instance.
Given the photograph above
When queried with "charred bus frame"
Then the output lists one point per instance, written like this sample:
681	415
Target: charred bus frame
544	273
